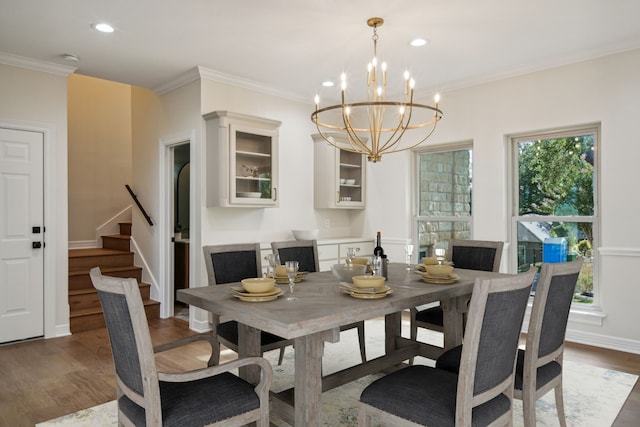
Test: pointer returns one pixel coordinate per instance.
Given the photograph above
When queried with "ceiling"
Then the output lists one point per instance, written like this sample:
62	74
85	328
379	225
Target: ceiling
292	46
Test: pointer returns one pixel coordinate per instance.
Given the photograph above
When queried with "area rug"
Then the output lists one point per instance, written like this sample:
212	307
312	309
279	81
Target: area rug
593	396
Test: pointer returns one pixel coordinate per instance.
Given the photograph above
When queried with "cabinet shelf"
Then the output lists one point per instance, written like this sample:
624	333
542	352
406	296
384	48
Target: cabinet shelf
350	185
253	154
251	178
349	165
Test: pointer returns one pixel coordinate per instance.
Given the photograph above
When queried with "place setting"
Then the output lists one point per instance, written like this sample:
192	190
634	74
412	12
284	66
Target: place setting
281	276
440	274
259	289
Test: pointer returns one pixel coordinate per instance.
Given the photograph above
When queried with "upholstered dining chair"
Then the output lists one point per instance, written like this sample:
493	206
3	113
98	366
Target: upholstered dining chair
482	393
481	255
539	365
146	397
306	253
228	264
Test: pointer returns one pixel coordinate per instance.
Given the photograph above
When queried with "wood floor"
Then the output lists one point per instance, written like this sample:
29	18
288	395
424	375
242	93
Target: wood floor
44	379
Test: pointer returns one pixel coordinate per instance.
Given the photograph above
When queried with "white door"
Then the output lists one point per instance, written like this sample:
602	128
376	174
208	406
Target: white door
21	231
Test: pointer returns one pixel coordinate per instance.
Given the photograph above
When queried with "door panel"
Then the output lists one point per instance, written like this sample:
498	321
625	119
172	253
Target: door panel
21	214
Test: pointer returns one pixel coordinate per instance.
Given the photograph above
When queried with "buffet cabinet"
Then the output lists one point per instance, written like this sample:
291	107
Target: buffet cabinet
242	160
340	178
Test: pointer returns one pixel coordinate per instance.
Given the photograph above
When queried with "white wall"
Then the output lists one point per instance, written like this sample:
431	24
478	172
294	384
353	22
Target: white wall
37	100
606	91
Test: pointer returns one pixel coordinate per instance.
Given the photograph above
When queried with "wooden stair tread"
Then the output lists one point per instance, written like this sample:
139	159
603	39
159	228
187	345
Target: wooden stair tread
104	270
94	290
87	252
118	236
98	310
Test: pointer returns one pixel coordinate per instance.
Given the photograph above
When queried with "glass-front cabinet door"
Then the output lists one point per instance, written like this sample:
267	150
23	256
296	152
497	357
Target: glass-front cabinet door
340	178
242	160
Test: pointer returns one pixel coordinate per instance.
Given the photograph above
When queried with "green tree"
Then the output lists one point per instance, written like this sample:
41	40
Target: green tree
556	178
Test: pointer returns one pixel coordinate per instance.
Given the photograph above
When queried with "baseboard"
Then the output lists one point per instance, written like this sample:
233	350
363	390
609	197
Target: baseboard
597	340
200	326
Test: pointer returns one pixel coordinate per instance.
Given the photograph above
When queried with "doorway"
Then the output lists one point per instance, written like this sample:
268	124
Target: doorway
21	234
181	224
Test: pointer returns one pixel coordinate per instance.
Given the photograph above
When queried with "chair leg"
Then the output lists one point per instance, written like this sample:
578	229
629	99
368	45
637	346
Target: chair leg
560	403
364	419
281	356
361	340
529	408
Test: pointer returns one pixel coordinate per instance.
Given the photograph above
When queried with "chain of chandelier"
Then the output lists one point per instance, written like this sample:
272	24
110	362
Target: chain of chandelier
363	123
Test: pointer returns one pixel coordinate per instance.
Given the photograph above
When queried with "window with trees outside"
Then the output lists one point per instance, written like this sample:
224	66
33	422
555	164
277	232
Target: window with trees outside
555	202
444	181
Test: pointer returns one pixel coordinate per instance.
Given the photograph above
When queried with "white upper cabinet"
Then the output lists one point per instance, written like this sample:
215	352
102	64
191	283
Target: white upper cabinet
340	179
242	160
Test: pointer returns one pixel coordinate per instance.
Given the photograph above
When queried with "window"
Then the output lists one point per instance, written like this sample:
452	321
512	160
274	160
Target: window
555	204
444	197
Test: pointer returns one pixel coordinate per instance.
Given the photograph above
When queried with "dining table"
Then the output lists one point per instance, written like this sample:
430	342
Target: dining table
315	317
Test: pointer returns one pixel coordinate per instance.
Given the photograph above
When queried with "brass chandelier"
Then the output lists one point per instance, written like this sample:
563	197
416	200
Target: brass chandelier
371	127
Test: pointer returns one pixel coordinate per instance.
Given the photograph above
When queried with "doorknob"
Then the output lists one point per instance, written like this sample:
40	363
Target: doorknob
36	245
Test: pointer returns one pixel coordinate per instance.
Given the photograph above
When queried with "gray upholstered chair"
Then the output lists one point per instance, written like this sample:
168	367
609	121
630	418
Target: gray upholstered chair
468	254
482	393
539	365
232	263
306	253
146	397
303	251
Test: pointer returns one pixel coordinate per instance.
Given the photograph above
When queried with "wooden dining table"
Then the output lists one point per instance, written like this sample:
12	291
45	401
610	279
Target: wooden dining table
315	318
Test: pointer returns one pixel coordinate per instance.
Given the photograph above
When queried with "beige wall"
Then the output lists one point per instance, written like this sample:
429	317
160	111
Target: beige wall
37	101
100	153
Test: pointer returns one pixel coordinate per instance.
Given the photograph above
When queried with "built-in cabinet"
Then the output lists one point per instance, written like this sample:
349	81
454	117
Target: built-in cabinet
340	176
242	160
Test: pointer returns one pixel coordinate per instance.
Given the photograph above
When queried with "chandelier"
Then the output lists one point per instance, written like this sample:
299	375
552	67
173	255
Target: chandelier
376	126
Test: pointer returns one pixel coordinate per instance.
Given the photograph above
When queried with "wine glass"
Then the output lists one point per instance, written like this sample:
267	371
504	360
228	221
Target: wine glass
292	272
376	266
408	251
351	254
273	260
439	252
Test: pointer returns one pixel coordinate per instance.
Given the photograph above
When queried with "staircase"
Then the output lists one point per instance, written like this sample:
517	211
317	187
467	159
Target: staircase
114	259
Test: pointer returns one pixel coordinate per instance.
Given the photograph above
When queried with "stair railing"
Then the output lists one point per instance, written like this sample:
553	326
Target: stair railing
135	199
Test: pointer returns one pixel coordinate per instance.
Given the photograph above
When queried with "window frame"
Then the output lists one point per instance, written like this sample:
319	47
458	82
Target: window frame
513	194
415	170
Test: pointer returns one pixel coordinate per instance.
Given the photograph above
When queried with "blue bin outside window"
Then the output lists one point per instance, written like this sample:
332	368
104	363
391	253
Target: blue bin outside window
554	250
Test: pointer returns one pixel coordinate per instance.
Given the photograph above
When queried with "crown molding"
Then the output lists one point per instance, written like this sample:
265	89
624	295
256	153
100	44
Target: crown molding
35	65
203	73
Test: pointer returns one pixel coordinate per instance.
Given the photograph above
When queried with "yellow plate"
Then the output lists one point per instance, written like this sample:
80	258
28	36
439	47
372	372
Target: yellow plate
285	280
349	289
370	296
440	280
243	292
257	299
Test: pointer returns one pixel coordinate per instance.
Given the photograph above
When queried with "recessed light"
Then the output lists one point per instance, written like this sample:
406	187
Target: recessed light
328	83
103	27
419	42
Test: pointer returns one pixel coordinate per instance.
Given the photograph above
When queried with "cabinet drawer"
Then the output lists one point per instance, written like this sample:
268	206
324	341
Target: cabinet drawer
328	253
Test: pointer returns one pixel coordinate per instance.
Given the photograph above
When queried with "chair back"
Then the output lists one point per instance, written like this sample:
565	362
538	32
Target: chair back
303	251
550	311
481	255
491	337
126	321
232	263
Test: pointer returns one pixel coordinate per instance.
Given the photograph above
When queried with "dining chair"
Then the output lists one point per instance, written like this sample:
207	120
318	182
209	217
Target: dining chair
306	253
482	393
303	251
228	264
208	396
539	364
481	255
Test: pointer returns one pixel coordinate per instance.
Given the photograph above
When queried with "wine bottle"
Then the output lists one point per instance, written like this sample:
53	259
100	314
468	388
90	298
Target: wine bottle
378	251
